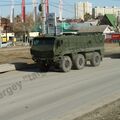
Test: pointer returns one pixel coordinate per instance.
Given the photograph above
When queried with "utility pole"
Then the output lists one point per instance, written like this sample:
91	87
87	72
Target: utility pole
23	20
60	13
60	9
23	11
12	15
12	12
35	10
47	7
47	13
6	23
43	16
118	22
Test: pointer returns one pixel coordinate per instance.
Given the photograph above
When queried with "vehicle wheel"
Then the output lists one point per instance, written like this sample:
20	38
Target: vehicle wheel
79	62
96	59
66	64
44	67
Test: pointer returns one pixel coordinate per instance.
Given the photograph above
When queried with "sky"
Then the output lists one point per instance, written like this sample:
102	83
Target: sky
68	6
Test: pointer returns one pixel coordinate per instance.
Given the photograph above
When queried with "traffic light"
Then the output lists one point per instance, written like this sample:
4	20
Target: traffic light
40	8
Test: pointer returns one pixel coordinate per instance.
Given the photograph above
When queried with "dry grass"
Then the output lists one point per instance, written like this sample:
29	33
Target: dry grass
10	56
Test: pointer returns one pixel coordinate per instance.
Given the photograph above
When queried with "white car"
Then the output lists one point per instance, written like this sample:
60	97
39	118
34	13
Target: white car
6	44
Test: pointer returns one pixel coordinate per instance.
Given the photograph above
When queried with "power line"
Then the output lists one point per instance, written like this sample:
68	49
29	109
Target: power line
63	4
19	4
7	1
56	6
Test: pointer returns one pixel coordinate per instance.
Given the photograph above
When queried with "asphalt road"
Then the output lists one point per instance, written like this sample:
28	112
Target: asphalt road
29	95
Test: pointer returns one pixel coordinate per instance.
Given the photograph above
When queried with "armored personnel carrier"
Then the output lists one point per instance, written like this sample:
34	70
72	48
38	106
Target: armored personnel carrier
69	50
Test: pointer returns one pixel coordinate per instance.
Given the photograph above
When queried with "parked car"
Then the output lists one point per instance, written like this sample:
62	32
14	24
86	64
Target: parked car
6	44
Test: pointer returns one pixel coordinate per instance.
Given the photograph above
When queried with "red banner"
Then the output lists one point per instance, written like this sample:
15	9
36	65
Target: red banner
115	36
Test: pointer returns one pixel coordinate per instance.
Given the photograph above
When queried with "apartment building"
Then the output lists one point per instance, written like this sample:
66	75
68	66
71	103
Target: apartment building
97	11
81	8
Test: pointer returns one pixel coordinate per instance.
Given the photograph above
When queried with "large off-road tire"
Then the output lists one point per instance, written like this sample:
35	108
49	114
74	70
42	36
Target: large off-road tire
96	59
79	62
66	64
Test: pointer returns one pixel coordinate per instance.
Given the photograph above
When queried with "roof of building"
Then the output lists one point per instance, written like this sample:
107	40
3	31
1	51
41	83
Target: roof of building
111	19
100	29
79	25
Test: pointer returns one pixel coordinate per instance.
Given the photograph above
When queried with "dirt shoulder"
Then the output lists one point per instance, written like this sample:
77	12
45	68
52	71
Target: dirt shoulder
112	48
13	54
22	54
108	112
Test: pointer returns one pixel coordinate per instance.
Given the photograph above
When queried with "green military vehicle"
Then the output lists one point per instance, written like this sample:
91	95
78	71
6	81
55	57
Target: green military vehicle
68	51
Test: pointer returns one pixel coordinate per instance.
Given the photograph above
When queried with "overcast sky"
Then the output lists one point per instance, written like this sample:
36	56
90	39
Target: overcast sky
68	6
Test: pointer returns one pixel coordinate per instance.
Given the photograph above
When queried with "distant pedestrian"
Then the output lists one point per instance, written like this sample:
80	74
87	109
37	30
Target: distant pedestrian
0	42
